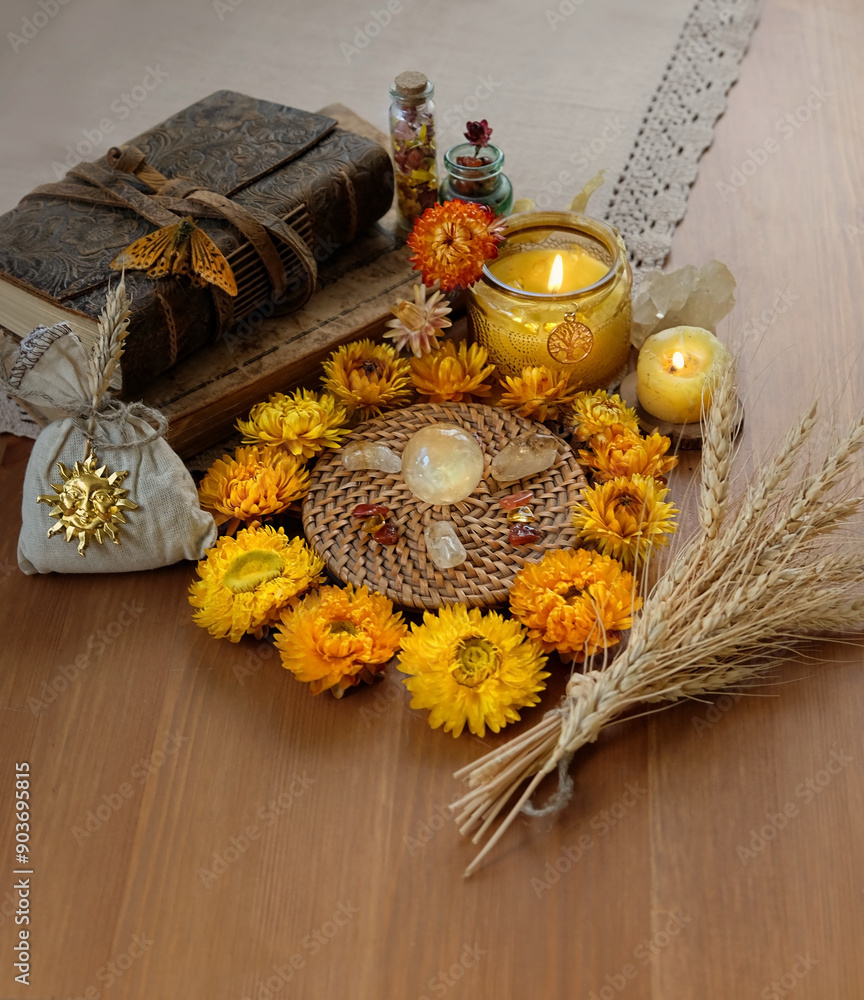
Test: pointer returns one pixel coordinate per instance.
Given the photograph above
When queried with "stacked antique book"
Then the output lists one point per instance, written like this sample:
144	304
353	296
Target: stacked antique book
292	200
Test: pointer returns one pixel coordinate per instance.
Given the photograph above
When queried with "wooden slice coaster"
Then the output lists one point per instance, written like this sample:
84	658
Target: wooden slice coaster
404	572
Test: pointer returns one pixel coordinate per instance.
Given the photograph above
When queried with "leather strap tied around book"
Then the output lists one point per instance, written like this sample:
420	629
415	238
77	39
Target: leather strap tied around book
174	198
257	227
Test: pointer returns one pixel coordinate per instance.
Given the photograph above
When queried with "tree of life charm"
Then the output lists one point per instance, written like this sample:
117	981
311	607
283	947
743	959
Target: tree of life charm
570	341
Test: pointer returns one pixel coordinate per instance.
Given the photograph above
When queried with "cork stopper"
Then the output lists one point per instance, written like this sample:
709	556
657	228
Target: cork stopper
411	84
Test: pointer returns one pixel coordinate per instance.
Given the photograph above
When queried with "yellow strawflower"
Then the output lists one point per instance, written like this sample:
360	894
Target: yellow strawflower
471	668
452	373
245	582
537	393
367	378
303	423
626	518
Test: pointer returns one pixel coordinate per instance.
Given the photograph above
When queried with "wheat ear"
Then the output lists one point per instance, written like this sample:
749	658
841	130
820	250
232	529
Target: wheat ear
731	604
108	349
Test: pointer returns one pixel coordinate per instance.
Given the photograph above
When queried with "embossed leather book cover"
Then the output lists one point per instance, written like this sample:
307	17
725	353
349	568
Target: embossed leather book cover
277	189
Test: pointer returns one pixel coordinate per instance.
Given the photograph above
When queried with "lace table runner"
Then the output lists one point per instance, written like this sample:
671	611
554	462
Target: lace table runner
649	196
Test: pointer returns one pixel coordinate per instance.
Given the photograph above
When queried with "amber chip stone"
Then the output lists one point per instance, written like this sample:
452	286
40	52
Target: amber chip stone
516	499
524	534
522	515
368	509
387	535
373	523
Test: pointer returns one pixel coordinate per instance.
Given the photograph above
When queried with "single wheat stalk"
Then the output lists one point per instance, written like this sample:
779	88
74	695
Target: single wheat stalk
734	600
108	349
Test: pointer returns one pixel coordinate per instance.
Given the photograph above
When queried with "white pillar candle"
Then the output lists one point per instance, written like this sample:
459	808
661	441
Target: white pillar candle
673	373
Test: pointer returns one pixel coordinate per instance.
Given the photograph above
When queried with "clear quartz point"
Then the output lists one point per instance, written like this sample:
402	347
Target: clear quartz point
531	452
370	455
443	545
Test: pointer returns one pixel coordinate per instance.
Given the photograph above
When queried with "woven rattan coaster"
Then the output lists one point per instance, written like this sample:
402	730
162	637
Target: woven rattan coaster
404	572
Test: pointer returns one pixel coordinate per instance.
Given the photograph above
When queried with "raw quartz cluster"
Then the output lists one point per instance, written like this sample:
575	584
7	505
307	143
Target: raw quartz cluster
530	453
690	296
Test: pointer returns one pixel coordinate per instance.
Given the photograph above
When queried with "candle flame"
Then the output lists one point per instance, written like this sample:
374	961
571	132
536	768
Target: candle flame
677	361
556	275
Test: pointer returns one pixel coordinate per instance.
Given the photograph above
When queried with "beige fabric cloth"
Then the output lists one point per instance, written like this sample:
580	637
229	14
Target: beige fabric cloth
569	86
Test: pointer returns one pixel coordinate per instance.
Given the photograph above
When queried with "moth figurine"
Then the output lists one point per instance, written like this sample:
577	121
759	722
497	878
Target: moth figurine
180	249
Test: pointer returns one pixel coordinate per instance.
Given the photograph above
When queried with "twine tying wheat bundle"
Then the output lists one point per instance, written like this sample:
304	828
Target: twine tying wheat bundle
753	579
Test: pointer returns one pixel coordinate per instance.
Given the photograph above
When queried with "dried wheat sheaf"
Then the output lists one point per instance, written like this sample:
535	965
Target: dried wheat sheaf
756	577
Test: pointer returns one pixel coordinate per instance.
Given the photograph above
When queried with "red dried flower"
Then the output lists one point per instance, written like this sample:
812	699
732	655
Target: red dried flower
478	133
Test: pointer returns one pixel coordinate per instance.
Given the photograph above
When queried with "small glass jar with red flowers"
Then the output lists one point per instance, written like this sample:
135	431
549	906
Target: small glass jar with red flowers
473	171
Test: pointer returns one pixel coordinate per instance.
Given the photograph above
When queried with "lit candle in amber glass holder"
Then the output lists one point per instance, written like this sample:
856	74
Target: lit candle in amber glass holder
558	294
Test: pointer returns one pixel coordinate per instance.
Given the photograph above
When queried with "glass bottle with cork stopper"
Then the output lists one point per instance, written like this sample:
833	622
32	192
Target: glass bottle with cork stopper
412	131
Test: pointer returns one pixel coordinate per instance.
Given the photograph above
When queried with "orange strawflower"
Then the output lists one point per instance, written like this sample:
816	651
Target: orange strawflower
536	393
338	637
452	242
452	374
628	455
574	601
254	483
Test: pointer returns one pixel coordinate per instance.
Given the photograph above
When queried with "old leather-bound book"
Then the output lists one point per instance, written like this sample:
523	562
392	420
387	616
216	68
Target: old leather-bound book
277	189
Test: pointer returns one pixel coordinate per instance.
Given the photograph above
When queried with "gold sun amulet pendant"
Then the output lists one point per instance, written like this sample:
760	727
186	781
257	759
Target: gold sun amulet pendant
89	503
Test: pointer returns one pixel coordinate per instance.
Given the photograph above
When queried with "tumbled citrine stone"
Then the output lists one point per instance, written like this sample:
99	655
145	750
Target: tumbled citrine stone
373	523
388	535
368	509
522	515
516	499
524	534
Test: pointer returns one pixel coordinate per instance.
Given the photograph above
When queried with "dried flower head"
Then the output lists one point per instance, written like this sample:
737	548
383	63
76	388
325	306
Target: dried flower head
368	378
303	422
626	518
452	373
478	134
536	393
452	242
596	412
254	483
627	454
338	637
574	601
247	581
418	323
466	666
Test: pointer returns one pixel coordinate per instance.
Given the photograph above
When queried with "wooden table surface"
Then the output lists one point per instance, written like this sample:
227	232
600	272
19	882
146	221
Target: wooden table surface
204	828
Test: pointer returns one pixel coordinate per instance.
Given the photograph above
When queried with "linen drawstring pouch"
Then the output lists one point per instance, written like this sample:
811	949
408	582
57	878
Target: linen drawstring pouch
114	496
